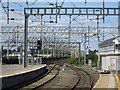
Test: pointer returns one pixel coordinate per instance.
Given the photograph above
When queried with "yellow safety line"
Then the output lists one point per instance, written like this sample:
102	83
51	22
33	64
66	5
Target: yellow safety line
118	81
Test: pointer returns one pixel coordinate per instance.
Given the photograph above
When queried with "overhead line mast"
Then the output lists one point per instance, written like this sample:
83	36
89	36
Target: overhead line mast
7	11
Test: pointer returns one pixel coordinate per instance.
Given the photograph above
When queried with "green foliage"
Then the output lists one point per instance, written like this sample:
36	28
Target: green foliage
94	64
72	61
75	61
92	55
82	61
11	60
4	52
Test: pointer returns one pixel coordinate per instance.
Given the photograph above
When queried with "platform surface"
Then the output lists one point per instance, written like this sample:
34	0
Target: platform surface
106	82
6	70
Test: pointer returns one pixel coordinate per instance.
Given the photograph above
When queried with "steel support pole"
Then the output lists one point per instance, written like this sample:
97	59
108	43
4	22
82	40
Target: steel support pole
103	11
79	51
98	63
69	30
8	12
85	49
56	10
26	40
8	50
1	56
69	36
54	45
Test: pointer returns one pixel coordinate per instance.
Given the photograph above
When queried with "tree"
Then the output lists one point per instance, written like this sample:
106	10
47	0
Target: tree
92	55
4	52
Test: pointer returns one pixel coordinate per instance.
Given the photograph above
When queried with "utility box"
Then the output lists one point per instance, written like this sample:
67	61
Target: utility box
90	62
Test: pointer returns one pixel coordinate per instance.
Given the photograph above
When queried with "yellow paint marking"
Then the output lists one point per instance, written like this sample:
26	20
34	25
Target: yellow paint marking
118	81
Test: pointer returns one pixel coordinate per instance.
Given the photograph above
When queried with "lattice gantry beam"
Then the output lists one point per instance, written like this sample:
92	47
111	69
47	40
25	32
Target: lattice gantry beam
15	35
71	11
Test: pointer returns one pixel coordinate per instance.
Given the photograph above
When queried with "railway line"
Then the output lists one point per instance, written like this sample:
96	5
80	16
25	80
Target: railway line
62	76
51	74
86	81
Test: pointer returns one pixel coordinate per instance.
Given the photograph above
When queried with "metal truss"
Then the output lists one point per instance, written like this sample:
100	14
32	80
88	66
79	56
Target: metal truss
52	36
66	11
71	11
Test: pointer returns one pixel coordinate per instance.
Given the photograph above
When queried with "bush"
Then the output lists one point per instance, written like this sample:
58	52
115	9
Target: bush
11	60
72	61
92	55
94	64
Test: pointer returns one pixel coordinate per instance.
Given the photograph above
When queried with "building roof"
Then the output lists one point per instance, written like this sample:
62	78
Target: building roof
108	41
118	38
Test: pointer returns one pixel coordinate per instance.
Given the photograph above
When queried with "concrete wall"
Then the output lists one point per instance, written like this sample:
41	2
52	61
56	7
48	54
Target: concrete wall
75	53
15	81
111	63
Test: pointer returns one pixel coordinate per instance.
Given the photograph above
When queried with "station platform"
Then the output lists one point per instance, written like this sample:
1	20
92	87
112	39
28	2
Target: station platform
11	69
106	82
15	76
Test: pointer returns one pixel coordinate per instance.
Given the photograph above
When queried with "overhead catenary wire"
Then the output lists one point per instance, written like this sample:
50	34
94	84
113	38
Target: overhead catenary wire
85	1
18	4
50	3
27	3
62	3
72	3
3	7
34	2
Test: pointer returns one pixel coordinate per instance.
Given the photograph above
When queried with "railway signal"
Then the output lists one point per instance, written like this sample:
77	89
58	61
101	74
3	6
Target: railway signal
39	44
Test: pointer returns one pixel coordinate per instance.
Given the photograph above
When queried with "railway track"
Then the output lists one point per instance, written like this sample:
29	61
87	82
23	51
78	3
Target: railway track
69	78
64	80
85	81
51	74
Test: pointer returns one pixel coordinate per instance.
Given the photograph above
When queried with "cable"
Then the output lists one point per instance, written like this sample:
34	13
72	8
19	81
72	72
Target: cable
3	7
62	3
49	3
27	3
77	16
34	2
37	19
18	4
85	1
73	4
19	13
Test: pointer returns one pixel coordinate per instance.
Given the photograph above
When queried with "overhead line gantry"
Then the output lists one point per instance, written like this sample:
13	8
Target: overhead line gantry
64	11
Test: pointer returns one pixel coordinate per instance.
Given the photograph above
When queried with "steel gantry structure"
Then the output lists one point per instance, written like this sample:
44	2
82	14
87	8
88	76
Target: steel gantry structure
16	34
54	37
70	11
